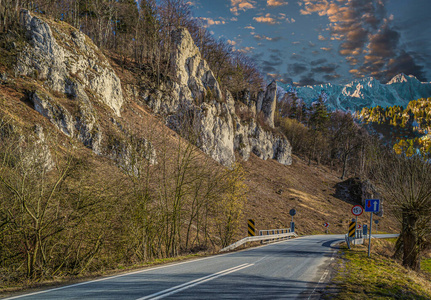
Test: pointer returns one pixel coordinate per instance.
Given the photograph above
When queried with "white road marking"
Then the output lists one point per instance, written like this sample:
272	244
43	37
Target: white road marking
111	277
259	260
322	279
187	285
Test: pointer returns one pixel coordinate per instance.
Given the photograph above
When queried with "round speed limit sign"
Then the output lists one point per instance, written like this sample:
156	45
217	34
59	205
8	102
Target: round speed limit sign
357	210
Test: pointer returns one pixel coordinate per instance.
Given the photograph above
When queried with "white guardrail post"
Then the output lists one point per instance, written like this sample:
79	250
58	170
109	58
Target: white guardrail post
264	235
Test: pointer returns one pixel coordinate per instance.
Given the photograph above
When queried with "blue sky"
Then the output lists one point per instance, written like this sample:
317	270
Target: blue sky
319	41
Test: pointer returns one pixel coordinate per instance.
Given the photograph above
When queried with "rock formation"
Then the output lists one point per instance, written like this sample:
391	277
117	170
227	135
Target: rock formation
65	61
196	95
268	104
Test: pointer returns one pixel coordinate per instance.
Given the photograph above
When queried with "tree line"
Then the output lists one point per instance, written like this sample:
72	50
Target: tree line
337	140
140	35
409	126
329	138
65	213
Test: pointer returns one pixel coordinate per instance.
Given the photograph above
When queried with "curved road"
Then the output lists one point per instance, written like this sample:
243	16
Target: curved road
292	269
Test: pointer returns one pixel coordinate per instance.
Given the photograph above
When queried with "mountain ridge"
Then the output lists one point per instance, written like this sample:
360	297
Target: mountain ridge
364	92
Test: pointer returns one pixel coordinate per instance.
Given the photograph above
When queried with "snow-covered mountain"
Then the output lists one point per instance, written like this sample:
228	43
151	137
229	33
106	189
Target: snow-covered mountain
367	92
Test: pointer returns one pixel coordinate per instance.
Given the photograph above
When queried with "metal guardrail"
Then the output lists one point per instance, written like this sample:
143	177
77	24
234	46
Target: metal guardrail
274	231
259	238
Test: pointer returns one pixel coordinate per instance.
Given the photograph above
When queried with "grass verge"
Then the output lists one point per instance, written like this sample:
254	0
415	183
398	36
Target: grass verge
378	277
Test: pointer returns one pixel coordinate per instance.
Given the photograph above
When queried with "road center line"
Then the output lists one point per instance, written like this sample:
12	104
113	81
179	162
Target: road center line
187	285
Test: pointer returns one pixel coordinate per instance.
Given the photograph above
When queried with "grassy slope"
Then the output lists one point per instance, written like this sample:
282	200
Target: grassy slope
378	277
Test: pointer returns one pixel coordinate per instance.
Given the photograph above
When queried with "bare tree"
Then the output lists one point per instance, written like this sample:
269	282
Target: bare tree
406	183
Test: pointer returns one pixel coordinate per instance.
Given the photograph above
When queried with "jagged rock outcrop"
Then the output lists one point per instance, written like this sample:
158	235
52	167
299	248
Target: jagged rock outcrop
40	154
54	112
196	96
269	102
67	60
84	126
252	138
128	155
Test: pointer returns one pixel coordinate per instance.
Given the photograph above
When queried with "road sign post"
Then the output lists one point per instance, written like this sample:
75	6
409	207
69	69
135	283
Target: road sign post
251	228
357	210
326	225
292	212
372	206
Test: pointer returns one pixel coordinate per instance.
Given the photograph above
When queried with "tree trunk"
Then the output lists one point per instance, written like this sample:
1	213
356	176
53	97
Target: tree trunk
411	255
346	156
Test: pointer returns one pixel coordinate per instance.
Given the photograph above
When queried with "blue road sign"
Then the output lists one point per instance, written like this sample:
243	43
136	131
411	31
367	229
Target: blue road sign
372	205
365	229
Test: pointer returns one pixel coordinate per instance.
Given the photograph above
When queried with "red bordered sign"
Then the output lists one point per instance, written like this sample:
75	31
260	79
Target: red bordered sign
357	210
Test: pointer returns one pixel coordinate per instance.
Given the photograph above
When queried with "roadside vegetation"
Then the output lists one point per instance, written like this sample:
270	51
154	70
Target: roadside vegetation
378	277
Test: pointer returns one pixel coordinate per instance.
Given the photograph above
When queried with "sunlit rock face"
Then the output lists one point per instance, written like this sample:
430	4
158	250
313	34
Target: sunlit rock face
67	61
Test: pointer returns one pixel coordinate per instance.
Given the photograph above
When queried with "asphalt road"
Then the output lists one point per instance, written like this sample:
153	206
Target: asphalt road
292	269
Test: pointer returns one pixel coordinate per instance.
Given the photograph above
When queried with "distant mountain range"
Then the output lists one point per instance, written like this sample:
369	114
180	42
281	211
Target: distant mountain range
366	92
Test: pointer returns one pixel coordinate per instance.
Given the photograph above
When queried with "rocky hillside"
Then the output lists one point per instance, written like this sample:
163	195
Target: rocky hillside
65	62
86	97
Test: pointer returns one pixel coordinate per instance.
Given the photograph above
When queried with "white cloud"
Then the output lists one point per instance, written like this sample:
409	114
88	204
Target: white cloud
266	19
241	5
276	2
211	22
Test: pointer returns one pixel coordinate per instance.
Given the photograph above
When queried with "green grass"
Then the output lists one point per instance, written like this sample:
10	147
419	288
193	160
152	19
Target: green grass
378	277
426	265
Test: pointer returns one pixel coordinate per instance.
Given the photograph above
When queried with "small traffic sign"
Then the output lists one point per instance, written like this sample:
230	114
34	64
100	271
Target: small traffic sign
325	224
357	210
365	229
372	205
359	226
292	212
376	221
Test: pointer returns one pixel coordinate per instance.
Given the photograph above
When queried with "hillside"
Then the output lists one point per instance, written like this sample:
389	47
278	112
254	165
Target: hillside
102	166
316	192
405	129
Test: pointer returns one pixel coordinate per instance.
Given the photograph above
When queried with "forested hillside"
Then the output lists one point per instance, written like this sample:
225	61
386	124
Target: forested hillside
406	128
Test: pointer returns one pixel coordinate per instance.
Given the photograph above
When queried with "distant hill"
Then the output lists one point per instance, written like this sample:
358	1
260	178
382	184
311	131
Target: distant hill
366	92
405	129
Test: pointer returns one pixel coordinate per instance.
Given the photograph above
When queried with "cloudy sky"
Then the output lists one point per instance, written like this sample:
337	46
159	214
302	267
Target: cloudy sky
319	41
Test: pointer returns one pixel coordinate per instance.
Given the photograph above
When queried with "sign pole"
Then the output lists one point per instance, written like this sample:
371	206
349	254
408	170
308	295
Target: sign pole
356	227
369	237
292	212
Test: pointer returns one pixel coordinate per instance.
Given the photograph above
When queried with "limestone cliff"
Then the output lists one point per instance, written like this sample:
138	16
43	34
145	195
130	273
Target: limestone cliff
67	61
196	95
69	66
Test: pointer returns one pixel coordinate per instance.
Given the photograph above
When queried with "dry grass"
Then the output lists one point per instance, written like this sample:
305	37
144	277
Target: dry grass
275	189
